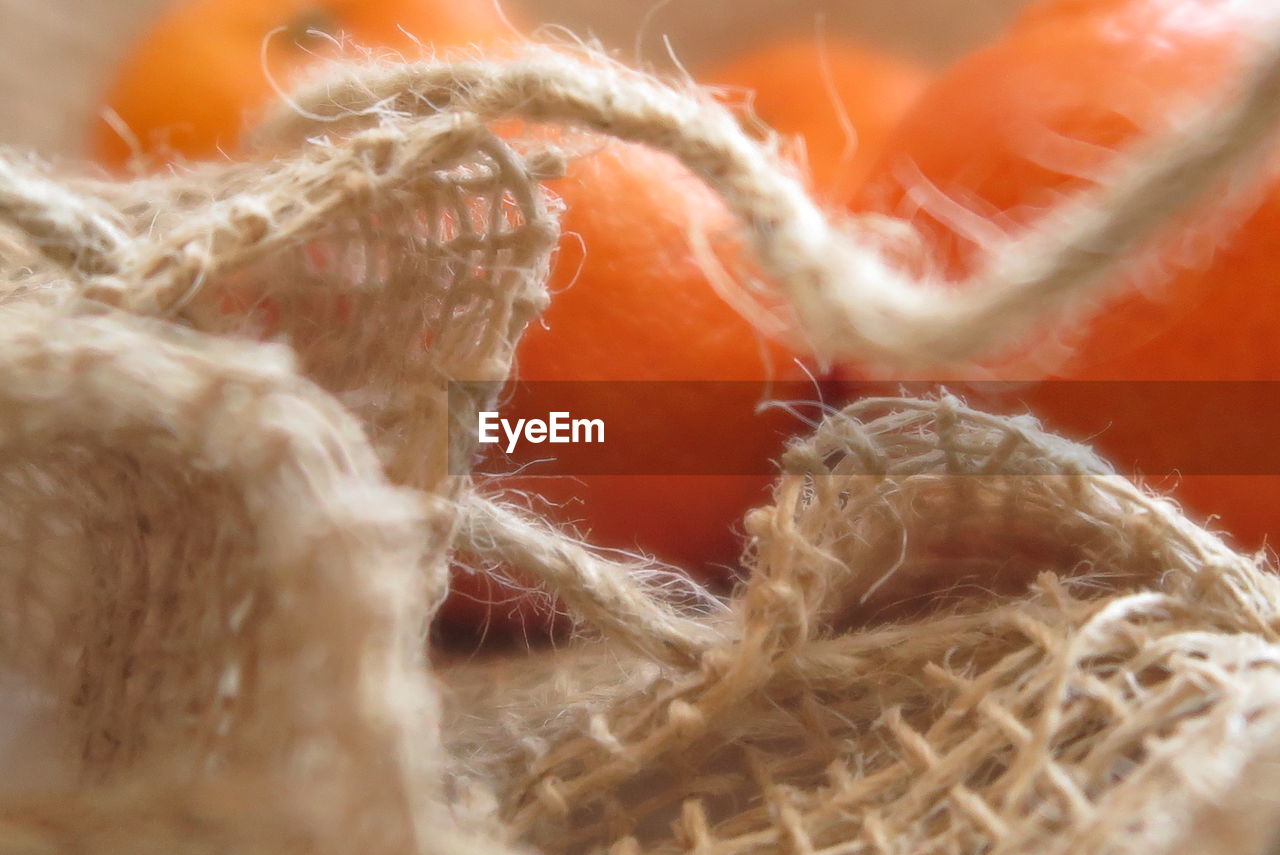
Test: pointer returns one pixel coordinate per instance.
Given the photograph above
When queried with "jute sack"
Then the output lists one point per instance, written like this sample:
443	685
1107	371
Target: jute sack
220	556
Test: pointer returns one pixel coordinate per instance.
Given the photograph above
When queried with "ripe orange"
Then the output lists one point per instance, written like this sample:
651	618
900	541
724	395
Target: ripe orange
840	97
1013	129
632	303
190	82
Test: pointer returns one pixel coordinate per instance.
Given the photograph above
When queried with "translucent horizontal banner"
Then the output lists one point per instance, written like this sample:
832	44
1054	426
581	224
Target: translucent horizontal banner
1156	428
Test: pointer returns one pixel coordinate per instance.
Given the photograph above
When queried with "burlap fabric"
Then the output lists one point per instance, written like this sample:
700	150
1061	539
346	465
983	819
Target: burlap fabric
220	556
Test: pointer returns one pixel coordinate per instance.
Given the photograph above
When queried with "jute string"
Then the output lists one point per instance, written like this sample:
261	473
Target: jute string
850	304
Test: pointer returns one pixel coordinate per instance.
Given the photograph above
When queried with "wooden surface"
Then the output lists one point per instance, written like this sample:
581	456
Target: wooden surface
55	55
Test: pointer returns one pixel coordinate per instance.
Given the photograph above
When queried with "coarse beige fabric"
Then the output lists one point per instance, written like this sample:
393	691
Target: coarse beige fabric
227	520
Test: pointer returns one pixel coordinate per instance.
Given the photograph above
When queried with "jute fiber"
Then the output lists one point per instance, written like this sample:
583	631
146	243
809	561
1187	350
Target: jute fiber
226	520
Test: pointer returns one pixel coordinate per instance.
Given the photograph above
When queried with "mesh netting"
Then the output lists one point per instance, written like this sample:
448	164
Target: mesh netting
1124	692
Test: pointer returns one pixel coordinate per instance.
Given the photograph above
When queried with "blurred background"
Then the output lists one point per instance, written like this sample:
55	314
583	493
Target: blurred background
55	55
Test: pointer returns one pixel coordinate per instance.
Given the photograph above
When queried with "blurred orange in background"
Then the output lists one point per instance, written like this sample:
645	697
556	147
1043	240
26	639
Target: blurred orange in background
839	97
206	66
1019	126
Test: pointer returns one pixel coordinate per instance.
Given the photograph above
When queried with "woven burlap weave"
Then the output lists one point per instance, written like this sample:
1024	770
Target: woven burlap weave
220	556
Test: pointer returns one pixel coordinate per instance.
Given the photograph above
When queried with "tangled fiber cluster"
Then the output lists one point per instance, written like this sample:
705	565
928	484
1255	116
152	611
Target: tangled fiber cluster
218	557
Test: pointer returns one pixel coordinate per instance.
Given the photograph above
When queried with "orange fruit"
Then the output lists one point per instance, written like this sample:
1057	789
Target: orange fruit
632	304
205	66
1017	127
841	98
